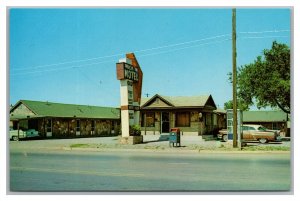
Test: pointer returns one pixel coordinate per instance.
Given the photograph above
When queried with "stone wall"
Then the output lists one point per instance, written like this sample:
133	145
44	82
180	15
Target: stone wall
62	127
131	140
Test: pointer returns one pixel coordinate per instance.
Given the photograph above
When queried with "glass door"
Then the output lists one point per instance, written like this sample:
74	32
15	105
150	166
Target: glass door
165	122
49	127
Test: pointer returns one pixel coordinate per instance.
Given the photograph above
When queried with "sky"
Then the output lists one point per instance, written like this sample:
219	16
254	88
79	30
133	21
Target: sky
69	55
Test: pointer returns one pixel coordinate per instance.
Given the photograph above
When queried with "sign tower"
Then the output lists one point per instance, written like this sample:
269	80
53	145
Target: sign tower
131	76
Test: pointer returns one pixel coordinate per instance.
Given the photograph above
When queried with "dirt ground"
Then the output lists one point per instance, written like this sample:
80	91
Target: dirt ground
150	143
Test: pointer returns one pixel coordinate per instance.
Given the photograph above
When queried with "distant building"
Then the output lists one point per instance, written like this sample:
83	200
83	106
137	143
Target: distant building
65	120
275	120
193	115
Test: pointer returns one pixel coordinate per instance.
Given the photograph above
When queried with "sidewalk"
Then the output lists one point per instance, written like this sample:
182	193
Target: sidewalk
151	143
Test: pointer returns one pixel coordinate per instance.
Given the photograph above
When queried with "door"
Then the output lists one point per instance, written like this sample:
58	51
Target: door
48	127
165	122
77	127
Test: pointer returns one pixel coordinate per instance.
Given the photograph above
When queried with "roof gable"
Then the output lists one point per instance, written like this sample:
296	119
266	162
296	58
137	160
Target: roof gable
181	101
21	109
49	109
156	101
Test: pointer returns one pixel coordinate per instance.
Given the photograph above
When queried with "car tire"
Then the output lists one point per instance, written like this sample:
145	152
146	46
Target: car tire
263	140
15	138
225	138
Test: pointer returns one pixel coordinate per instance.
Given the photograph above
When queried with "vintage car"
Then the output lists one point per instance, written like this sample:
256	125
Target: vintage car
16	135
253	132
223	134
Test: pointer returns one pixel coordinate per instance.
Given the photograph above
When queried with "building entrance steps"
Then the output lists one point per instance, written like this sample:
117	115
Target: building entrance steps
165	137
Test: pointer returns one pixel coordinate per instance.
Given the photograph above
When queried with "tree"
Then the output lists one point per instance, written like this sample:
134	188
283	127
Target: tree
267	80
240	105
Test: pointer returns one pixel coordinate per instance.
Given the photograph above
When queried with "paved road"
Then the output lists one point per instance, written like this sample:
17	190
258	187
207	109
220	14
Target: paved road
136	171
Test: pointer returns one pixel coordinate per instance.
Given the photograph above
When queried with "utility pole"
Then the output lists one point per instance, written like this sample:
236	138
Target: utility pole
234	99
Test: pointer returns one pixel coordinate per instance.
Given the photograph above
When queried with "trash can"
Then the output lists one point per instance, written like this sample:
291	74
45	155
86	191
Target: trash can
230	136
174	137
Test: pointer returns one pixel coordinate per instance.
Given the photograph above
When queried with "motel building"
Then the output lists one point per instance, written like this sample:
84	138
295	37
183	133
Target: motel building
57	120
195	115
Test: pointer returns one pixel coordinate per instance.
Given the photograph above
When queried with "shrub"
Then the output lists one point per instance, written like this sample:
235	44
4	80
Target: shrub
134	130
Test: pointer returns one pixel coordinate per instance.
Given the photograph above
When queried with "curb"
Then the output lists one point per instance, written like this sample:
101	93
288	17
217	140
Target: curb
174	151
143	151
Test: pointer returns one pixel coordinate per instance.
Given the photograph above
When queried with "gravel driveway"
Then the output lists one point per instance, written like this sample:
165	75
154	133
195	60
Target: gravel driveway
151	142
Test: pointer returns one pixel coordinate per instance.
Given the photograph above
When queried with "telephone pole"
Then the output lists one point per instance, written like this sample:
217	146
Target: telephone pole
234	99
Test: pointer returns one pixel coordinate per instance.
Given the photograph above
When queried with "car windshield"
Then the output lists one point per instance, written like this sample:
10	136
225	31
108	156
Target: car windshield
261	128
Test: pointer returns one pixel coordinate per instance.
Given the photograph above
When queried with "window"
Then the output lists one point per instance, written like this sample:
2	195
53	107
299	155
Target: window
208	119
112	125
215	119
49	125
150	116
93	125
250	128
245	128
77	125
261	128
182	119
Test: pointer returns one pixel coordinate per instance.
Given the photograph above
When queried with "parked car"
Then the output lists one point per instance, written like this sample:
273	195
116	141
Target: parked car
30	133
253	132
223	134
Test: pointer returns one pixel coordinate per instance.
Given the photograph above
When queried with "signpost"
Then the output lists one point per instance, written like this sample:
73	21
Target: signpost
234	75
130	75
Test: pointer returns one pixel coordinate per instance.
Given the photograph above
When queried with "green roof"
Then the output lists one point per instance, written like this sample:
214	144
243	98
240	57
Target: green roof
264	116
49	109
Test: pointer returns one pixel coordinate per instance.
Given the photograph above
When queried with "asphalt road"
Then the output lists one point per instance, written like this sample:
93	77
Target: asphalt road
69	171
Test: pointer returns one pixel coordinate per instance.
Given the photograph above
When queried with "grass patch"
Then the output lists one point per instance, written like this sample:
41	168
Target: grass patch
266	148
79	145
154	147
98	146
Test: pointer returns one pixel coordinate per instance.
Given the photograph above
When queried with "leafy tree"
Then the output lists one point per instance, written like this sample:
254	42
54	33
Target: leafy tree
266	81
240	105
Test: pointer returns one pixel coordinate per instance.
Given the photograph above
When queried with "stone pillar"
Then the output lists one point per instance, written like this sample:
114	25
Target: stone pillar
127	116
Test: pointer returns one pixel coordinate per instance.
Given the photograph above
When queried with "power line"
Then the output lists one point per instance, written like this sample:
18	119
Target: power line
246	37
144	55
155	53
136	51
149	49
79	66
259	32
65	68
167	51
183	43
68	62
